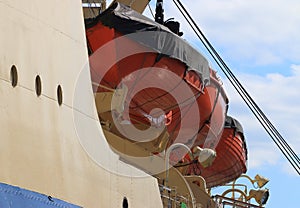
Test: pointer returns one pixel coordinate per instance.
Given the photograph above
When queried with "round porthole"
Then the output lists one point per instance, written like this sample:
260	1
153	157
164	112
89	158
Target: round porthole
14	76
38	85
59	95
125	203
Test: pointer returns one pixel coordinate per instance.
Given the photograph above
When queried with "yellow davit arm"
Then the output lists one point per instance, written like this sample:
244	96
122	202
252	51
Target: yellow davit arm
137	5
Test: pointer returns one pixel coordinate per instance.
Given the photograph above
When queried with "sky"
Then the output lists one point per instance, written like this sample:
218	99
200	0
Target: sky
260	42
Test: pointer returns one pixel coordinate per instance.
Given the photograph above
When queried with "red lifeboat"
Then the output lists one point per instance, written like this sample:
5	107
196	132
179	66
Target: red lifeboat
231	158
160	71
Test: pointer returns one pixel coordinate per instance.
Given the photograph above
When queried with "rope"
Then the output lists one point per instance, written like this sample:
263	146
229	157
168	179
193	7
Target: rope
151	10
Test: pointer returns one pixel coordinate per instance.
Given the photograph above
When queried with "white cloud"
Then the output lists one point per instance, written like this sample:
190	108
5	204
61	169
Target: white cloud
261	154
264	32
286	168
296	69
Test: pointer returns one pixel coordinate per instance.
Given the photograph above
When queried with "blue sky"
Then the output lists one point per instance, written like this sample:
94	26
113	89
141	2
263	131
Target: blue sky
260	42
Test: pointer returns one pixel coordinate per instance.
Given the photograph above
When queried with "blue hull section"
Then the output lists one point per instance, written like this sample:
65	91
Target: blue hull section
15	197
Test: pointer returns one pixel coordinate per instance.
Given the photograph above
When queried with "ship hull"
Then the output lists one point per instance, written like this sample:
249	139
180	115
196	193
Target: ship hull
42	146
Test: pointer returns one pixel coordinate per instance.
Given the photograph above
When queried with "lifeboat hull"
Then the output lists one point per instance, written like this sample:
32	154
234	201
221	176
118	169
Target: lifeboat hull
157	81
231	160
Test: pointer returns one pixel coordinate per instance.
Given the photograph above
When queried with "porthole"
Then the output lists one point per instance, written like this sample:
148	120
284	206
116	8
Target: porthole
59	95
125	203
38	85
14	76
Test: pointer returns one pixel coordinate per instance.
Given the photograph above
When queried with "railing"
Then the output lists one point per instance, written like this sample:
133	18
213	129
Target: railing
223	201
171	198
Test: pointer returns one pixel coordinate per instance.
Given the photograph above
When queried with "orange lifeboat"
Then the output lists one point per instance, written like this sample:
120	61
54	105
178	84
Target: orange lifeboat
159	70
231	158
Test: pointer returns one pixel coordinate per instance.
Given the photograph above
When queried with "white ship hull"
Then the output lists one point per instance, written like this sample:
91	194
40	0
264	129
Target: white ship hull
41	148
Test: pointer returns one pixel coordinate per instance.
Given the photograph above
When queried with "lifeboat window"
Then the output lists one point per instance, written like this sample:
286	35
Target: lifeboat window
125	203
14	76
38	85
59	95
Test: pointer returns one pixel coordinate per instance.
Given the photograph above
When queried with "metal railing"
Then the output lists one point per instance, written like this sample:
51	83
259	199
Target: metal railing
233	202
171	198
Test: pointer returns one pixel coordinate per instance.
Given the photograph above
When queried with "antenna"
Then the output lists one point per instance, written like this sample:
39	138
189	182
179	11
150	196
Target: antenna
159	12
